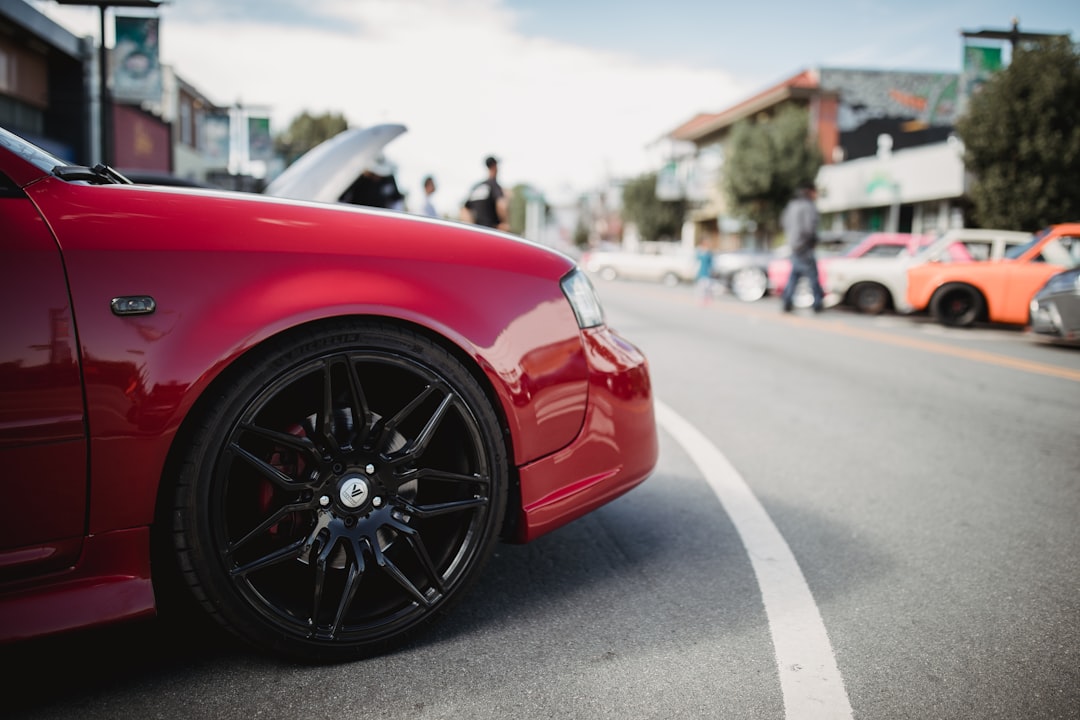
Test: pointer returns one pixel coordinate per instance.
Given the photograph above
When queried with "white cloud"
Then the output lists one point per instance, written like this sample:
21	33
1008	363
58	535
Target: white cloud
460	75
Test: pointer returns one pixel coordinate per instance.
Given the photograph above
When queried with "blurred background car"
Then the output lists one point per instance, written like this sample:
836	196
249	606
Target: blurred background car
875	284
744	273
830	245
1055	309
150	177
997	291
669	268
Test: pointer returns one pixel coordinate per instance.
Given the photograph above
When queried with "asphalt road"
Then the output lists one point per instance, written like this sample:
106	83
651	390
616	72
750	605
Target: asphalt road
852	517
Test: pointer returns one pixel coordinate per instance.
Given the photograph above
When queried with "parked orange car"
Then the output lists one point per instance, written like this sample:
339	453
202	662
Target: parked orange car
1000	291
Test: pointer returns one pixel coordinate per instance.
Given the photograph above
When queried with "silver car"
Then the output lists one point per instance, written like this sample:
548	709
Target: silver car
1055	309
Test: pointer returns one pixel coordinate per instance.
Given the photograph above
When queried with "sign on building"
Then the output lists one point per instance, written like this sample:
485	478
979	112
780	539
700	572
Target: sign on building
136	66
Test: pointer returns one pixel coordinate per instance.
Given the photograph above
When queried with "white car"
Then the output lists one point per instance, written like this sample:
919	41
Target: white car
873	285
668	268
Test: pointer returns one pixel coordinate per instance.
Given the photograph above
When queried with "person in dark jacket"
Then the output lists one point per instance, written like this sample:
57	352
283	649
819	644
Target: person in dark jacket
800	222
376	187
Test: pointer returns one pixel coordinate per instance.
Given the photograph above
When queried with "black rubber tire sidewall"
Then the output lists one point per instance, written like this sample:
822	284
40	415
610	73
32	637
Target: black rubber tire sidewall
202	568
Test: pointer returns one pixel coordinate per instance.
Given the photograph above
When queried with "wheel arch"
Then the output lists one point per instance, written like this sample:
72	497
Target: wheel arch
161	542
607	272
187	360
952	286
853	292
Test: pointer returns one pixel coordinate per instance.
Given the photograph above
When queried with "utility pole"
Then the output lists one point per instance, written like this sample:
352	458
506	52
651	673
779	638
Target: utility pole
104	98
1012	34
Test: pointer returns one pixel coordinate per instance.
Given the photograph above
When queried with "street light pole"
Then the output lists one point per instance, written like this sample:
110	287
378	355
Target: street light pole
104	97
1013	34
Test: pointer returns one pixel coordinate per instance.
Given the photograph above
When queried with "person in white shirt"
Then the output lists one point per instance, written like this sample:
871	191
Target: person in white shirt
429	190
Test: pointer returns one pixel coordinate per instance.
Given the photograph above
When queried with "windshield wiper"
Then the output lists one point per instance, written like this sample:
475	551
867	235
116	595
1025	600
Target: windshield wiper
98	175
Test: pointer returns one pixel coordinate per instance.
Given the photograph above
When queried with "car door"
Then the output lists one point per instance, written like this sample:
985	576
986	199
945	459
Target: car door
1030	273
43	445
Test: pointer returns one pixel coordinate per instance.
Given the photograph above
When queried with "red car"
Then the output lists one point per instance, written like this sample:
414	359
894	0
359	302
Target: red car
314	419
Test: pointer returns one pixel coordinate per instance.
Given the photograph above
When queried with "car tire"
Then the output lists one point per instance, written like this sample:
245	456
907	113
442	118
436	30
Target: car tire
870	298
671	279
957	305
803	296
607	273
749	284
342	488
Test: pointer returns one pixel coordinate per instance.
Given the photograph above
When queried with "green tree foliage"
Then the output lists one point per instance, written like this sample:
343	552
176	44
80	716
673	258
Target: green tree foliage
655	218
305	132
581	234
517	208
766	161
1021	136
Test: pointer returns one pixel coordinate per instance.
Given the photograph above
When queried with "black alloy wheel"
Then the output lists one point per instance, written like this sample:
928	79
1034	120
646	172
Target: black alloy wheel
957	305
870	298
347	486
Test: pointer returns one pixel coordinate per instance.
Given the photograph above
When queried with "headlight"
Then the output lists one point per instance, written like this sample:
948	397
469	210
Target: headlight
582	296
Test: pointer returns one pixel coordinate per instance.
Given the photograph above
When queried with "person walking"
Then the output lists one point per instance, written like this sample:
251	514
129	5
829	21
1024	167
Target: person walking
703	282
486	204
429	190
800	222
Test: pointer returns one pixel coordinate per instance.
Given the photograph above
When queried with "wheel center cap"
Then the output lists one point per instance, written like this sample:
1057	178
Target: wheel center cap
354	492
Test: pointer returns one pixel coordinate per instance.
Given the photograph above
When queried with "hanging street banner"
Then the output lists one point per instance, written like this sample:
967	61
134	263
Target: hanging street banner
980	64
260	144
136	67
215	139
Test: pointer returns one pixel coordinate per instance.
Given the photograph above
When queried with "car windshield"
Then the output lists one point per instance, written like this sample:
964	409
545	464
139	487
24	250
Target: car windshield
930	250
1017	250
38	157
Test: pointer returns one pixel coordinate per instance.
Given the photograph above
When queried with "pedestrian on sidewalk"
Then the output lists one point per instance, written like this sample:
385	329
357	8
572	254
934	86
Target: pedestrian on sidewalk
486	204
703	281
800	222
429	190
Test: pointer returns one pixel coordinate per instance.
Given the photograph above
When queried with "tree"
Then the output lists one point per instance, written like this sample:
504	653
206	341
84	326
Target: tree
655	218
305	132
766	161
1022	140
519	199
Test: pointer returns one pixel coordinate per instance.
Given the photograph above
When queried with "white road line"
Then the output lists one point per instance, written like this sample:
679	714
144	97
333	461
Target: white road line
809	678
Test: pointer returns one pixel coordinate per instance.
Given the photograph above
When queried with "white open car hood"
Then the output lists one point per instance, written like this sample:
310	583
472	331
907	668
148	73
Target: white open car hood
326	171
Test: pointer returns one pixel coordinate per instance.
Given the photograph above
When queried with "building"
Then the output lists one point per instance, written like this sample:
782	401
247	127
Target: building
46	83
49	94
885	138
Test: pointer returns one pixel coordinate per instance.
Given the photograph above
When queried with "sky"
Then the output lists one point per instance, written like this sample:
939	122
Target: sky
568	94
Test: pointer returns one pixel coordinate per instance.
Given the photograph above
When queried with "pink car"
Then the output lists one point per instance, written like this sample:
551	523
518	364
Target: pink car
880	244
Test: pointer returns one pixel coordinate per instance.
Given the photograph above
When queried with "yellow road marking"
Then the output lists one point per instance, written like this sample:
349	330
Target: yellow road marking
900	341
943	349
